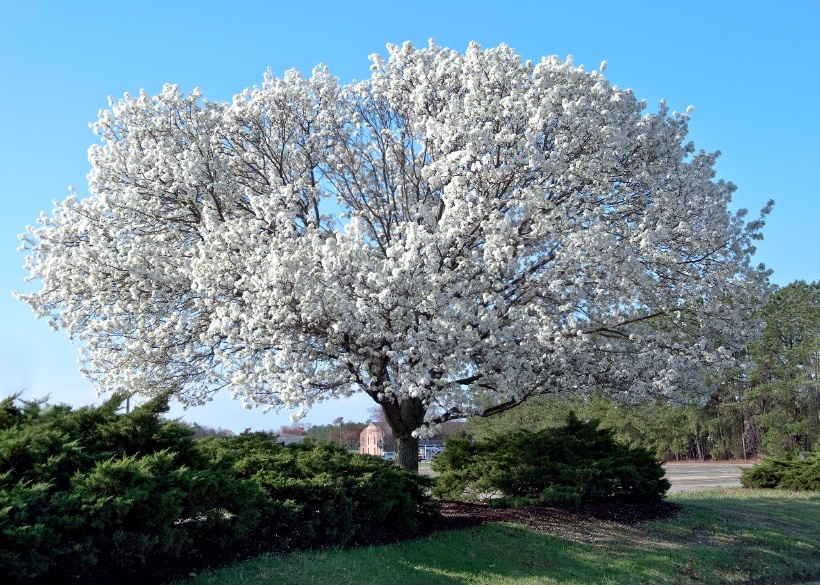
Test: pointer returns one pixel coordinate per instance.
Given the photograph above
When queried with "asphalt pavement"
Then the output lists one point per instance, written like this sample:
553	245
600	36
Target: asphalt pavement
696	475
686	476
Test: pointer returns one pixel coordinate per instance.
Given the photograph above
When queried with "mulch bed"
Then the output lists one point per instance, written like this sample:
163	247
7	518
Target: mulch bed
466	514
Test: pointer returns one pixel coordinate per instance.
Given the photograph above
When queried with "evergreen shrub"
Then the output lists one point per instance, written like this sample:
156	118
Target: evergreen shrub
93	491
570	465
788	474
335	497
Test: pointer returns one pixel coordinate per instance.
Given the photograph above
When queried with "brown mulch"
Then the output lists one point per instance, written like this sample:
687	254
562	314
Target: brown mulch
562	522
457	515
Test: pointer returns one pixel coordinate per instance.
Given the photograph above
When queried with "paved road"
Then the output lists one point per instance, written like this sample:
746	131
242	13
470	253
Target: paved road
684	476
697	476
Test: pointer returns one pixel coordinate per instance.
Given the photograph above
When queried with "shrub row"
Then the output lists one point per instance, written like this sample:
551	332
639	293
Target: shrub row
93	491
327	495
570	465
787	474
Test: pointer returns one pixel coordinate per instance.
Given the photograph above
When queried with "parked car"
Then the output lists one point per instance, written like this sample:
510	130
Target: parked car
388	455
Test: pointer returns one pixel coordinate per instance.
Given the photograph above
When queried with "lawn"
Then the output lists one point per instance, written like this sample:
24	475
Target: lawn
719	536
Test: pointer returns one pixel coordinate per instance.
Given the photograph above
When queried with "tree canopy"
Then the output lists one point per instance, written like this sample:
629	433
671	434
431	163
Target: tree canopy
770	408
452	236
785	387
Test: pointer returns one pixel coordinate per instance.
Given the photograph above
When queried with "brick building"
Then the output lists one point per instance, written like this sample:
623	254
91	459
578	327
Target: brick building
369	440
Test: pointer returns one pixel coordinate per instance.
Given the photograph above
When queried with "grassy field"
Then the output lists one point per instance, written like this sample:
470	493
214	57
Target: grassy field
720	536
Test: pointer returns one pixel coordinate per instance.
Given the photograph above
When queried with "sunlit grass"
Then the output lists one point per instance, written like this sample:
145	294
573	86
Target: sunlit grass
720	536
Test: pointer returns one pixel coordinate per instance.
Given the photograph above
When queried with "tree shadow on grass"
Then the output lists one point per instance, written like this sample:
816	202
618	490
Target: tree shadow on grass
717	539
500	553
712	539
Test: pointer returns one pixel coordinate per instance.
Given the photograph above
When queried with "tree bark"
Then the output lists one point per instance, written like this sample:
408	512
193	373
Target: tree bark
407	452
743	434
405	416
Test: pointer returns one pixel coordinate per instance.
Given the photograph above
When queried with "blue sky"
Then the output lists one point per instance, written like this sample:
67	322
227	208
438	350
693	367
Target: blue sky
749	68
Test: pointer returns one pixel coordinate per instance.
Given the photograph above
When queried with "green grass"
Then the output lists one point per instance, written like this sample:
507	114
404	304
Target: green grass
720	536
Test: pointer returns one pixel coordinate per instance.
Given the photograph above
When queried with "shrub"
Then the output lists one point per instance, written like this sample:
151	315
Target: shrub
92	492
788	474
334	497
570	465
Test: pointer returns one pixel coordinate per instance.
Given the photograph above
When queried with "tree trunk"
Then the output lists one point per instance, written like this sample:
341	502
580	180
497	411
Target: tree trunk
407	452
405	416
743	434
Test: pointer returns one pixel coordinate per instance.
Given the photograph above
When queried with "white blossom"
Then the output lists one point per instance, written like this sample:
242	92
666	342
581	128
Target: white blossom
452	236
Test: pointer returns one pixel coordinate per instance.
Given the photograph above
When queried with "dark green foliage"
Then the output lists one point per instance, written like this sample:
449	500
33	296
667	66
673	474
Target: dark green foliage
785	388
89	489
92	490
573	464
336	497
798	474
26	543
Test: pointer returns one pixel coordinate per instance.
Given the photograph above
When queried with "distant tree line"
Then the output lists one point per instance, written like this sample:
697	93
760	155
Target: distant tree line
202	431
770	409
340	431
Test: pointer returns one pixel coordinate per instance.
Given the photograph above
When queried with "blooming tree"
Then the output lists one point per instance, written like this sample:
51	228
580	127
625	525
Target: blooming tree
452	236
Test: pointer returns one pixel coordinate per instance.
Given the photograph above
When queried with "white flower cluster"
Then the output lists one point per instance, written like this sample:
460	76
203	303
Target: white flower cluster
452	236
